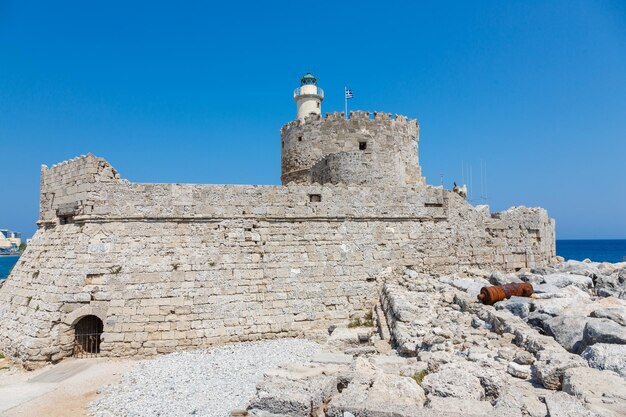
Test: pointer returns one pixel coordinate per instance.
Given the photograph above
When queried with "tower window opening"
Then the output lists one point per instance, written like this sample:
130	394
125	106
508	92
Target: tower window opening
299	138
362	146
282	144
315	198
318	104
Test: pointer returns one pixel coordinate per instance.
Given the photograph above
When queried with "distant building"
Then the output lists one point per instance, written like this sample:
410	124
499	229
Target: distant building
9	241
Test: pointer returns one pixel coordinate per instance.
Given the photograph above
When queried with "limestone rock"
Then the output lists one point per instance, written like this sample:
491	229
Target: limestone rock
551	364
383	395
343	338
449	406
469	285
498	278
524	358
607	357
520	306
603	331
525	397
294	391
617	314
561	404
453	381
518	371
332	358
382	346
602	391
398	365
567	330
563	280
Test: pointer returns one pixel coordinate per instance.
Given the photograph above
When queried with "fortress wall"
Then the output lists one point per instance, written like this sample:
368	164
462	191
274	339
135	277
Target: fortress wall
178	266
304	143
189	202
64	187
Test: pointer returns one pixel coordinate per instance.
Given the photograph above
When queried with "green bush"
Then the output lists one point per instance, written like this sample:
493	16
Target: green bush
419	376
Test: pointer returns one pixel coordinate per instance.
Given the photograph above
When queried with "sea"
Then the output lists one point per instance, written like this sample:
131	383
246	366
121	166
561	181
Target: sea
6	264
596	250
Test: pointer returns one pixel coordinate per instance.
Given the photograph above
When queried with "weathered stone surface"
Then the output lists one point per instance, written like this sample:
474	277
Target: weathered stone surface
332	358
561	404
398	365
343	338
518	371
524	358
607	357
295	391
567	330
520	306
551	364
617	314
563	280
603	392
450	406
523	396
382	395
603	331
453	381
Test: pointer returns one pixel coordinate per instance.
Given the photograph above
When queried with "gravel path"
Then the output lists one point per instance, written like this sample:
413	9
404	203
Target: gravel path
206	383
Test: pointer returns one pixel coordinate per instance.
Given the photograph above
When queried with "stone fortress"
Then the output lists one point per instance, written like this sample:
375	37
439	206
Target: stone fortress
156	268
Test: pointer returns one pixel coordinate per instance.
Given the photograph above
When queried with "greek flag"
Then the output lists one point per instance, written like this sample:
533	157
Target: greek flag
348	93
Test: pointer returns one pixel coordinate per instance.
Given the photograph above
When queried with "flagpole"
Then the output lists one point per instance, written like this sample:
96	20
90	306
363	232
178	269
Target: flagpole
345	99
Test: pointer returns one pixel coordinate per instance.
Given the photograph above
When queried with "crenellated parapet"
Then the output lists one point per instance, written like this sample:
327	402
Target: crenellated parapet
388	146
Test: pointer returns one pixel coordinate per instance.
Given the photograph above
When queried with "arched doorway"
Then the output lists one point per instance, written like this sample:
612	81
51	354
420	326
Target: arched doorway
87	333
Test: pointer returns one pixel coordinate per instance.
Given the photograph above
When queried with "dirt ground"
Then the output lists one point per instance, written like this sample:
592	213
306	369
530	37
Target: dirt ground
61	390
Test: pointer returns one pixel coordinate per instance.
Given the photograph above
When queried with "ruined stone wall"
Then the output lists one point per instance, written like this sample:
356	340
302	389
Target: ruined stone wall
180	266
65	187
391	145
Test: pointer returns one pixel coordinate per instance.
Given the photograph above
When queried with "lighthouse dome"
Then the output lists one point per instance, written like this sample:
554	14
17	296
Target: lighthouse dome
308	79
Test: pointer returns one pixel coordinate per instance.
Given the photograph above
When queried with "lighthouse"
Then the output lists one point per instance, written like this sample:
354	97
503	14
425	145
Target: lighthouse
308	97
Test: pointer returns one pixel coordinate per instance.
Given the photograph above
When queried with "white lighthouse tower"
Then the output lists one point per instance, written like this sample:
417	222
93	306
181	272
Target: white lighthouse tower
308	96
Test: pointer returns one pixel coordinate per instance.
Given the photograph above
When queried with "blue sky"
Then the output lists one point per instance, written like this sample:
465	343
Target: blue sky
196	92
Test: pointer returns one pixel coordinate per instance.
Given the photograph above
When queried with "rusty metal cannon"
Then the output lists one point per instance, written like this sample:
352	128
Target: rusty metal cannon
491	295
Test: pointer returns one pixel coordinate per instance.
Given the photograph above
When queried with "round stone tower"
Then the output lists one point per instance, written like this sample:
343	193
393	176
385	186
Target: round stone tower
371	149
308	97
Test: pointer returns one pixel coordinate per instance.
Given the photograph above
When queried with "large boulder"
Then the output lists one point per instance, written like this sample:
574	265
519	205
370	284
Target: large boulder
296	390
602	391
563	280
381	395
471	286
567	330
520	306
551	364
569	300
523	396
617	314
561	404
398	365
607	357
588	269
449	406
452	380
603	331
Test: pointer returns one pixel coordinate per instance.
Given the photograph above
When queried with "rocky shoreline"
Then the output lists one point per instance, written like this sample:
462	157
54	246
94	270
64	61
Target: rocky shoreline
436	351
